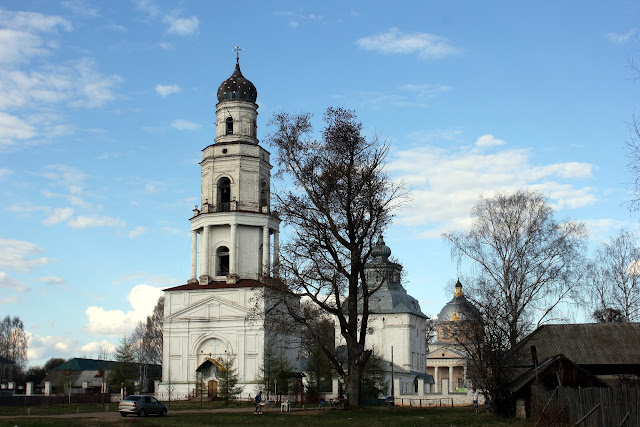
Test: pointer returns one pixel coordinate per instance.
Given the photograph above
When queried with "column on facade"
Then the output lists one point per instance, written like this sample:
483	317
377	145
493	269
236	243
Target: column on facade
276	246
265	250
436	380
420	387
232	252
204	251
464	374
194	254
450	378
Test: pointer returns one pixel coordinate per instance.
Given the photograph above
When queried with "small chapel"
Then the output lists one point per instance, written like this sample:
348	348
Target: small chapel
234	238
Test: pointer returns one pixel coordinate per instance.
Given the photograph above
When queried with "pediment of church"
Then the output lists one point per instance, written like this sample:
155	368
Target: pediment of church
212	307
447	352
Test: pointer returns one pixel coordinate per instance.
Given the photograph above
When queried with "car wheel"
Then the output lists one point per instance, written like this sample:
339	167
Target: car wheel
124	414
164	412
142	413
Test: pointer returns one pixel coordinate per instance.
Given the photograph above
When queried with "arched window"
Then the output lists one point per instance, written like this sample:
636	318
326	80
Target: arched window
222	255
264	194
224	195
229	123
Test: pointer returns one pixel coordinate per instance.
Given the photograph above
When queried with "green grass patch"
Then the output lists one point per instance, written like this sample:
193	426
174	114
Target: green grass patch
369	417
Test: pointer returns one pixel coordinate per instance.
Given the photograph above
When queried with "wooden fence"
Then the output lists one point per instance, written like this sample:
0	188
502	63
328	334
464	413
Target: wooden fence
586	407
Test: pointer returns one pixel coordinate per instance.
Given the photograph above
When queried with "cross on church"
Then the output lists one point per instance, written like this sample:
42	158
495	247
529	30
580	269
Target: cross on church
237	50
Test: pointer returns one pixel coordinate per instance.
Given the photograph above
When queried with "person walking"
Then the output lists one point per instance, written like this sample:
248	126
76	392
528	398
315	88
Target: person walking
475	399
258	403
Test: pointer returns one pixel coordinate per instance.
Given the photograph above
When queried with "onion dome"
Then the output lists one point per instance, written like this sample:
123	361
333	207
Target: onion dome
380	250
237	87
459	308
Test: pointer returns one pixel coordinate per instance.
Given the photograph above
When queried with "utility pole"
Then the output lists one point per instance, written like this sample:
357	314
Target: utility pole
393	394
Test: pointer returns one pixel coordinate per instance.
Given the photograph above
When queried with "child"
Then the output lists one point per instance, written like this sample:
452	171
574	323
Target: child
475	399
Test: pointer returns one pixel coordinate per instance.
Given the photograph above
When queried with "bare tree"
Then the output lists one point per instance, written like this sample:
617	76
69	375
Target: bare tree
524	263
615	279
521	257
14	342
342	200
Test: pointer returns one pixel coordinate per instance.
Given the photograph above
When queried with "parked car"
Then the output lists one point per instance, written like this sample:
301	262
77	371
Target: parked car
141	406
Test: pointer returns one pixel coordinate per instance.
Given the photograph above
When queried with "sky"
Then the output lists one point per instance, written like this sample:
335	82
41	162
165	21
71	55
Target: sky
106	106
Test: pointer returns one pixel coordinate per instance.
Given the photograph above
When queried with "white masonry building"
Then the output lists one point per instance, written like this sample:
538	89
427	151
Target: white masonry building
234	237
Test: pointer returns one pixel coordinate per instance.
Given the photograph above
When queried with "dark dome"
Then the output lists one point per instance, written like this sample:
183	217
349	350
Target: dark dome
459	308
381	249
237	87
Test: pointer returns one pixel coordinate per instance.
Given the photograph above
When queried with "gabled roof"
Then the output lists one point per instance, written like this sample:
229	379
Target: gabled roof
245	283
583	379
584	344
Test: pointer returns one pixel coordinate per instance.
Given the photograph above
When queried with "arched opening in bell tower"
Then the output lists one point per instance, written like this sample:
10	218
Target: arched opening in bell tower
264	195
229	128
224	194
222	258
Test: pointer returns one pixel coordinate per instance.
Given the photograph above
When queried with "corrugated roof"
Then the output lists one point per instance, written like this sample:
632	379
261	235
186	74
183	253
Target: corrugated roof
584	344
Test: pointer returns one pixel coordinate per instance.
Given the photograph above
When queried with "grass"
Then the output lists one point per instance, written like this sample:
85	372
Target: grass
369	417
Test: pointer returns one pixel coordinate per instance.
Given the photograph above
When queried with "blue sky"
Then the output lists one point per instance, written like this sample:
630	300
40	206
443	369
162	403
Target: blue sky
105	106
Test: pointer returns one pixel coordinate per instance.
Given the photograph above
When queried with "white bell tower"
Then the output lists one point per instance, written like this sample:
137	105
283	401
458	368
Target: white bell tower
233	227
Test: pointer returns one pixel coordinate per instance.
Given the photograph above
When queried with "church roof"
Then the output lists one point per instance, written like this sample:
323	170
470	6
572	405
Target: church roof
237	87
459	308
392	296
244	283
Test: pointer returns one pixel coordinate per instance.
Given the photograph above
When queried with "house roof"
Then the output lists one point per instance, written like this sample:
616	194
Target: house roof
244	283
78	364
584	344
531	374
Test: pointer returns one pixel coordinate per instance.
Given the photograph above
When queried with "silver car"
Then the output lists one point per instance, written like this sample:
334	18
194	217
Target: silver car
141	406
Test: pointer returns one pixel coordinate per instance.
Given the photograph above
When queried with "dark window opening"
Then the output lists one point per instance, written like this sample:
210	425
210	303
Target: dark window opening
229	122
264	194
224	195
223	261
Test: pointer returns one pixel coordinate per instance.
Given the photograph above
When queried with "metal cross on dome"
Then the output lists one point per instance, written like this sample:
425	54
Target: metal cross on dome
237	50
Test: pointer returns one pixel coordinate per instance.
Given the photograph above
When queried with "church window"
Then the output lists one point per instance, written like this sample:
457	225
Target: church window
264	194
229	123
222	254
224	194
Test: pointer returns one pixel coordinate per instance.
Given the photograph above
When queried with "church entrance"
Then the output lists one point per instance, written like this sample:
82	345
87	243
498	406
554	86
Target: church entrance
213	389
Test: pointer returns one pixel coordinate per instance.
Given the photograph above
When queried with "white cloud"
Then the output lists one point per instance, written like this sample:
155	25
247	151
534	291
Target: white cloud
427	46
425	90
82	221
147	6
295	18
51	280
18	255
59	215
33	21
489	141
181	26
445	183
138	231
11	283
64	175
43	348
5	172
8	300
94	347
166	90
618	38
13	128
185	125
142	299
81	8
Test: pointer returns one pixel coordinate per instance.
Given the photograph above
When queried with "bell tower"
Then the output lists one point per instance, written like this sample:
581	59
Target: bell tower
232	229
